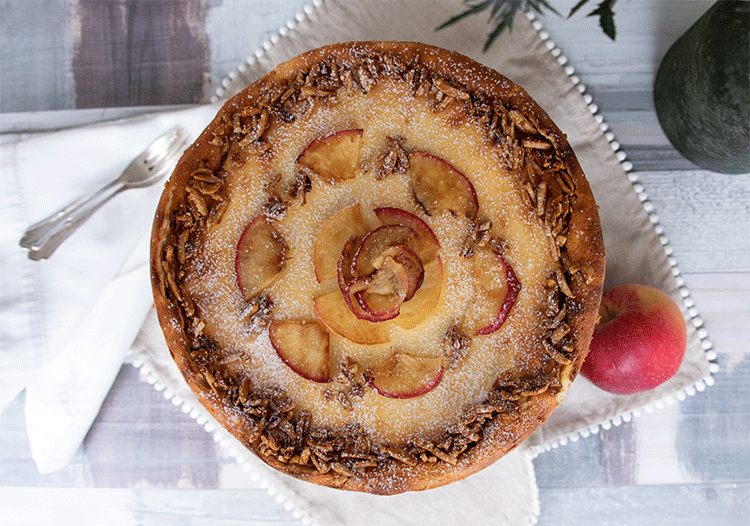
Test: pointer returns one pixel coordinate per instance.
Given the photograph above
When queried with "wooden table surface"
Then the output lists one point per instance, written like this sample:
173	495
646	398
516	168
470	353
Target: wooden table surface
66	63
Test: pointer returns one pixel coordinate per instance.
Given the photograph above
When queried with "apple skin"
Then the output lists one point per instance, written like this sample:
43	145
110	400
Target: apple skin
513	287
639	342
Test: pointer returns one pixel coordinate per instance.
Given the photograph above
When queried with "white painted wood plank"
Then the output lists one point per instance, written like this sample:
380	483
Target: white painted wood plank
140	506
706	217
668	505
645	31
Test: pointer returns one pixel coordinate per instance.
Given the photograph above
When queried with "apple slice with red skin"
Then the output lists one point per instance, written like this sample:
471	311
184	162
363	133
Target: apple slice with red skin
260	257
396	280
332	238
438	186
345	264
376	242
408	261
334	157
425	299
427	244
385	271
639	342
498	284
403	375
380	296
373	307
334	312
380	274
303	346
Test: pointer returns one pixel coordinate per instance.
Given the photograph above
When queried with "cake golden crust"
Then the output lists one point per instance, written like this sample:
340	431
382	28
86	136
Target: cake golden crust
550	183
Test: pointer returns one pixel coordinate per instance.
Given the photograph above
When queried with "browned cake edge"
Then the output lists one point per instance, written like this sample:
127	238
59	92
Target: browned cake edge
518	405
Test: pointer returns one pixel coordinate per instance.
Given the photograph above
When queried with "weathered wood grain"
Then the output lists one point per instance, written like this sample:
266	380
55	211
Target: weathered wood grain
136	53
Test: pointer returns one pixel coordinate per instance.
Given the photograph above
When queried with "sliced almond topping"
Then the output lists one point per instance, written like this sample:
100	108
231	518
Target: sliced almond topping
560	278
541	198
522	122
536	144
449	90
197	201
559	333
556	354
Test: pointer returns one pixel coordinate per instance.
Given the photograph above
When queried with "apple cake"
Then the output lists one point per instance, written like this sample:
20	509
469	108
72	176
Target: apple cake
379	267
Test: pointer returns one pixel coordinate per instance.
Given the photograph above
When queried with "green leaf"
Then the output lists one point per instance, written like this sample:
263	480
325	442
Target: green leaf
502	13
538	4
576	7
606	17
496	8
506	22
470	11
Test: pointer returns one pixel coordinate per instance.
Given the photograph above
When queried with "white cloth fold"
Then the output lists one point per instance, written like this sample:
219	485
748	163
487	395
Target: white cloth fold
67	322
62	402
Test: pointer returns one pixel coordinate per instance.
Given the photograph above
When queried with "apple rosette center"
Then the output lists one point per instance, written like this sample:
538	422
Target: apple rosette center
379	271
389	271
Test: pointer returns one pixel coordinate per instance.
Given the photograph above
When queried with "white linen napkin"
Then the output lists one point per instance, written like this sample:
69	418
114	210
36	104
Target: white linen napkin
66	322
62	402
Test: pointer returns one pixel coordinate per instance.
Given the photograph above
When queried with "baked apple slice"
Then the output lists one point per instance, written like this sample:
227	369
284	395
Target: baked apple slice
330	242
379	297
335	313
376	242
401	259
383	304
303	346
427	244
498	287
403	375
345	264
260	257
425	299
334	157
438	186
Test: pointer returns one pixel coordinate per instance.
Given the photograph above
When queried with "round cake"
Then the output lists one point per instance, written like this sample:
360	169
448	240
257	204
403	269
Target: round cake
379	267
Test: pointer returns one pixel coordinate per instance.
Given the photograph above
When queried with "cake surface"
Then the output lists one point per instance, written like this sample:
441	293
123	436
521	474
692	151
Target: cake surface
379	267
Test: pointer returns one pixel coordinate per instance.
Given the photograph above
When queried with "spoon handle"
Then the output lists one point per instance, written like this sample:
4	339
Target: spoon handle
44	237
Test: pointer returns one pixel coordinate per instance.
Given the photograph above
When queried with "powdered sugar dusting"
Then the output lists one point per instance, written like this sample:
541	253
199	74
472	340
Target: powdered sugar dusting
389	110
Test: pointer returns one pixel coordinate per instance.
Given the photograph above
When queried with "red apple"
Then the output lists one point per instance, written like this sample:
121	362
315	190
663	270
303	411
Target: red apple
261	256
639	341
403	375
438	186
334	157
303	346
